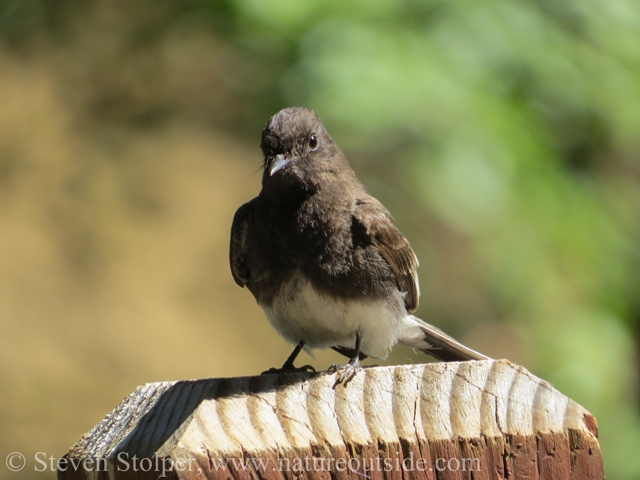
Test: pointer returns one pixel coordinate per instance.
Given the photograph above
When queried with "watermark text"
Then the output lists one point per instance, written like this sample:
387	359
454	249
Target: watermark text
123	462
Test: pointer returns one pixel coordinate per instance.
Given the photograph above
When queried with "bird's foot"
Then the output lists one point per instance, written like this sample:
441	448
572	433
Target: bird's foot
348	371
289	368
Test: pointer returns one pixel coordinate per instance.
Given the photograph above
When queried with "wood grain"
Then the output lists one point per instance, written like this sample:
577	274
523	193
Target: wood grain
470	420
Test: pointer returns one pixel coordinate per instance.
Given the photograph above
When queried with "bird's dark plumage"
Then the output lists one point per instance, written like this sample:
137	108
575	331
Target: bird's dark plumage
324	258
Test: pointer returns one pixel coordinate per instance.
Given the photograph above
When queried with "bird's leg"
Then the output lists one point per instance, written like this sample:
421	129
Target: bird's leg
288	366
350	369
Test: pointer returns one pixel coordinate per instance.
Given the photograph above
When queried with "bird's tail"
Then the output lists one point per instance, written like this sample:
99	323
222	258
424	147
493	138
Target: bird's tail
435	342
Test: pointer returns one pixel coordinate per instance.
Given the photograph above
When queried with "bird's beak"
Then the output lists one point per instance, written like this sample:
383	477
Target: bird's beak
279	162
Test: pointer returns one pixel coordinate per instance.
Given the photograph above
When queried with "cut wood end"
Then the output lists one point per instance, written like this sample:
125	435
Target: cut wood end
487	408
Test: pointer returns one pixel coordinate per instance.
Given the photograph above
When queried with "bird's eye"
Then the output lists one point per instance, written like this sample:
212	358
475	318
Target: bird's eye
313	142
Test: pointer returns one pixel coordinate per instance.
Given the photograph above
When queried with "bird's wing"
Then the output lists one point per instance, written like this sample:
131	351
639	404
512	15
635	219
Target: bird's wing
237	246
394	248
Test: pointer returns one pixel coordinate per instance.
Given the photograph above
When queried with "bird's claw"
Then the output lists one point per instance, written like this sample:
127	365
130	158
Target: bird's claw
348	371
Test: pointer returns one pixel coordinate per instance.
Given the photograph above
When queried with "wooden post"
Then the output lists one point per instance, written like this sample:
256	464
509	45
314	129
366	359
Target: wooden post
471	420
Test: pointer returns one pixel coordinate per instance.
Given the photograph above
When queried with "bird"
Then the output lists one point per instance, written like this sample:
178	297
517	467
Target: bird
324	259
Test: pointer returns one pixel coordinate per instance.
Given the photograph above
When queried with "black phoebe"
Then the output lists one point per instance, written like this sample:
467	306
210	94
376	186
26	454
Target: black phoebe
323	258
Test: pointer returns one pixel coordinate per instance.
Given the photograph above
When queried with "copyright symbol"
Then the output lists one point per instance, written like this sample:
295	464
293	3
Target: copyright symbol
15	461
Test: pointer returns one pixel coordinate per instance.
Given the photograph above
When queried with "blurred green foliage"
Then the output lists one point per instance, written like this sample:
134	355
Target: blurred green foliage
504	137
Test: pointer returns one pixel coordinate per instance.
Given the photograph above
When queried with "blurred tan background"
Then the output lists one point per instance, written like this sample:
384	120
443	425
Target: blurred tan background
503	138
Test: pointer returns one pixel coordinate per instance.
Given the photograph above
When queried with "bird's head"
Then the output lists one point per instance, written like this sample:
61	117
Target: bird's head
297	148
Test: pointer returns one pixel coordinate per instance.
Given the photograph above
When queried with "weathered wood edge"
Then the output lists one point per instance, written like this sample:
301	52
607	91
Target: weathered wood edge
513	423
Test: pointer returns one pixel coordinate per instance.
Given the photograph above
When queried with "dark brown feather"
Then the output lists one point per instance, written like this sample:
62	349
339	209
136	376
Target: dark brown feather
237	247
393	247
444	347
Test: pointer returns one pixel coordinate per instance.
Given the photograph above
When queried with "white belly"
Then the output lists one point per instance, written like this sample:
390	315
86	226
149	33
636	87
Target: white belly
301	313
